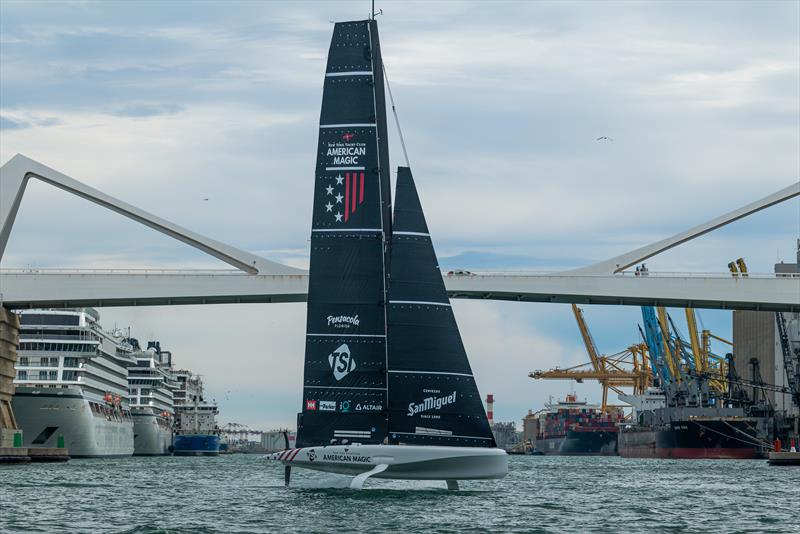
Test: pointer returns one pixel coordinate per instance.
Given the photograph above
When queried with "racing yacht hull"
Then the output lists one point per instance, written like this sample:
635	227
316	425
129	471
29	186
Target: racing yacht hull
407	462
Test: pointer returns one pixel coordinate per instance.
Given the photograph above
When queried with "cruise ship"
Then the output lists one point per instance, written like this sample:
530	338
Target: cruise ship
151	385
196	430
72	384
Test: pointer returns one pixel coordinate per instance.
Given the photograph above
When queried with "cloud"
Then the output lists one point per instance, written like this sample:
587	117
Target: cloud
10	124
147	110
500	107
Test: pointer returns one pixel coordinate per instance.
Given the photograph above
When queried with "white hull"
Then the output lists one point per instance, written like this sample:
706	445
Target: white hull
149	437
69	414
410	462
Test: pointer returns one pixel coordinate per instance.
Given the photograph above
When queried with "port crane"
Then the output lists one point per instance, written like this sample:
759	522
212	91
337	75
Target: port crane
791	361
628	368
672	358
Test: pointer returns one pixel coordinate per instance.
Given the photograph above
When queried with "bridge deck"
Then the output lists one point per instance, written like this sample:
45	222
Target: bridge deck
26	289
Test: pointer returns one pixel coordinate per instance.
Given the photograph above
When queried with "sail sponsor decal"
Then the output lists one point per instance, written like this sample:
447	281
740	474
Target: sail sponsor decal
311	405
430	404
348	458
341	362
346	152
327	406
343	321
368	407
346	189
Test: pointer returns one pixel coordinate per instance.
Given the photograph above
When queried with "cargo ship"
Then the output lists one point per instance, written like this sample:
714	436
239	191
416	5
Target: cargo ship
575	428
695	432
685	422
196	431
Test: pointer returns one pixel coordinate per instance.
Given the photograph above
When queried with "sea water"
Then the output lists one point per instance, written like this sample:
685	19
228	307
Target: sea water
245	493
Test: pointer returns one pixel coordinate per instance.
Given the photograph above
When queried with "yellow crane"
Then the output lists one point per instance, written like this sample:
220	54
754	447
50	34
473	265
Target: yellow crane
629	368
673	359
700	362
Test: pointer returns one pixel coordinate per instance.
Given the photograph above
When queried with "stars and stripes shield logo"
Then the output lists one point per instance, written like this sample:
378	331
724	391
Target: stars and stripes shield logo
354	192
346	194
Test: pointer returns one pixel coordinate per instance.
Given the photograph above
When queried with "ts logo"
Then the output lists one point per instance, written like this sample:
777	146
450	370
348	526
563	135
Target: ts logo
341	362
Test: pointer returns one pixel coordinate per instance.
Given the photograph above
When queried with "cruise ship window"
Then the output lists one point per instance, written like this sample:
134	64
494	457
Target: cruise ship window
52	375
22	375
23	361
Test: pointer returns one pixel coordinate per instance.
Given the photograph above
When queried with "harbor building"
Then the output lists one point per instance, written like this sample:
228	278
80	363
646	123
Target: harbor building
755	335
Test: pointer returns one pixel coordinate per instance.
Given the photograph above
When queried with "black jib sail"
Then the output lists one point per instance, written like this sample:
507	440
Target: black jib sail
344	389
433	398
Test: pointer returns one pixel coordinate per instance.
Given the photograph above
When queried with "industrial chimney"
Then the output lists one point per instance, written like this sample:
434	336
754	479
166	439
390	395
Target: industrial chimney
490	409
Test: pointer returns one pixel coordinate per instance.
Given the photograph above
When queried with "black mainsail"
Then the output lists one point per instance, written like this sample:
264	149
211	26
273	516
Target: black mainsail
344	388
433	396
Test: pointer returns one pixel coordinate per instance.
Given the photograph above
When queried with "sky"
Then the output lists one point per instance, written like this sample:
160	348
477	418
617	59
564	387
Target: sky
165	104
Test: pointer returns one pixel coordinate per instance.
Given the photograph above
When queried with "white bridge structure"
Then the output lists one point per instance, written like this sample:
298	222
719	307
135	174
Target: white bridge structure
254	279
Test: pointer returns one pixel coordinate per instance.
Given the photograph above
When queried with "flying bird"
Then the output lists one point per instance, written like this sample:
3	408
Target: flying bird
205	200
604	138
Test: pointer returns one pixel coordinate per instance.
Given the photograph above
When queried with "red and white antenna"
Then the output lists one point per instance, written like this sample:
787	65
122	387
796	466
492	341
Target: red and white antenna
490	408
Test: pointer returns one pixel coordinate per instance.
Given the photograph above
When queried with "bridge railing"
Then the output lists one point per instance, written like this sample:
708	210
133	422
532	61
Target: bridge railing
624	274
446	273
123	271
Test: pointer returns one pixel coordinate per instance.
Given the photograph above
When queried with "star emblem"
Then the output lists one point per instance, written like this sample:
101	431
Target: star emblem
338	216
329	189
339	179
328	207
339	198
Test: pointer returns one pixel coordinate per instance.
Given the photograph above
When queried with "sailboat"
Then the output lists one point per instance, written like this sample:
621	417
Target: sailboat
388	390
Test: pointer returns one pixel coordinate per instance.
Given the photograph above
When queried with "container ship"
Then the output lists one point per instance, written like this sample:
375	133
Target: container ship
196	430
575	428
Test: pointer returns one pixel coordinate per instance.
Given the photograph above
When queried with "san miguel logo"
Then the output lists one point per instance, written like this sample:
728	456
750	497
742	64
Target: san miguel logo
341	362
343	321
431	403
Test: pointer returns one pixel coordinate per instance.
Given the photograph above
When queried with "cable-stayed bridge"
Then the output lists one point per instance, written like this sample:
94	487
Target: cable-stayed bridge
255	279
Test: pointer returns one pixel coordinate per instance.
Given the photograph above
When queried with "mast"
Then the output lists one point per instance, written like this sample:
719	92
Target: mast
344	389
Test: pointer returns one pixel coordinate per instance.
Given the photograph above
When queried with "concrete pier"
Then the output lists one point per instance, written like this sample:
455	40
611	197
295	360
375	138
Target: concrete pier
784	458
11	449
